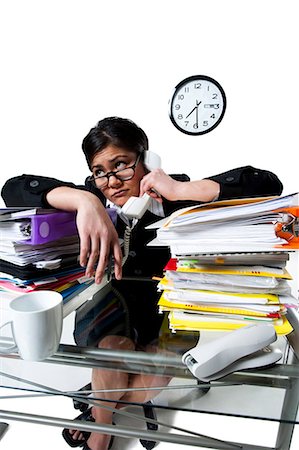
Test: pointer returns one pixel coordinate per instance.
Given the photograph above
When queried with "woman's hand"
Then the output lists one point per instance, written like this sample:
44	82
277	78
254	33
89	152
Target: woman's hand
157	183
98	236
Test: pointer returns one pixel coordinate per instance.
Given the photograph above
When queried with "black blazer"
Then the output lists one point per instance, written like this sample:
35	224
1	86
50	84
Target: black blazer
144	262
31	190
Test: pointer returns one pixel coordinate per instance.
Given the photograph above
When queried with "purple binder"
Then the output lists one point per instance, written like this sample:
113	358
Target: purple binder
43	228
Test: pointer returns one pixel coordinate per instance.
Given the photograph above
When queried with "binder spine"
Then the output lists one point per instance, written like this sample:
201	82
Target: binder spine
44	228
50	227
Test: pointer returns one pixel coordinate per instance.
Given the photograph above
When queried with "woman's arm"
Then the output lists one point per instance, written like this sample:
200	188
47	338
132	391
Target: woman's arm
97	234
237	183
30	190
171	189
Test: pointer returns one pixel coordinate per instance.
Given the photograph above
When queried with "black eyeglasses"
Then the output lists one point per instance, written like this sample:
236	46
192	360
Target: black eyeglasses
123	174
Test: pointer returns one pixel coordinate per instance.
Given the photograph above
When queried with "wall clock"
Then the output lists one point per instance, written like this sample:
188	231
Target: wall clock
197	105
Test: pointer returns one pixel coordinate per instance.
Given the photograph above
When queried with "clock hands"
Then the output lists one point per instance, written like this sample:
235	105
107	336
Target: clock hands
195	108
196	113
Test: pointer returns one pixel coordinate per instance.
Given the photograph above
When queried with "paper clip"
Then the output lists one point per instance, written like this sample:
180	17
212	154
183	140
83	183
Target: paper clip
286	229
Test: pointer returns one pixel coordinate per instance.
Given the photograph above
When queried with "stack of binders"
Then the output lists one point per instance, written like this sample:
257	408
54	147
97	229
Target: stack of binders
39	250
228	265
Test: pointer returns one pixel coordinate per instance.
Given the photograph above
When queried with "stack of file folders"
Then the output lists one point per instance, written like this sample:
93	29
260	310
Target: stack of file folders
39	250
227	270
257	224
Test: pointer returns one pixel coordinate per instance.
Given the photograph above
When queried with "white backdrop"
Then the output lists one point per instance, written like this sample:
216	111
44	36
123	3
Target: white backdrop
65	64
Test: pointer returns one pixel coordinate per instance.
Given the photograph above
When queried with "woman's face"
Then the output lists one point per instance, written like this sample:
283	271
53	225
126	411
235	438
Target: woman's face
112	159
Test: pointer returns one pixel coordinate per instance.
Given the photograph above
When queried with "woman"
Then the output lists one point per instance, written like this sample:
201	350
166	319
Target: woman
114	150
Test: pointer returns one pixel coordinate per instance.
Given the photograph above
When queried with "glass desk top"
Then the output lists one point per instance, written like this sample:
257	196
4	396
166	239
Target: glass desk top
269	393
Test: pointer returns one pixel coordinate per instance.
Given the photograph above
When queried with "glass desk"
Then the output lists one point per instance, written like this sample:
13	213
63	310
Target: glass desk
267	394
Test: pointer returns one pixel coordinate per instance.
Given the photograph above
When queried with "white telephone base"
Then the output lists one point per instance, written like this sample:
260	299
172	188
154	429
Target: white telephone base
214	357
265	357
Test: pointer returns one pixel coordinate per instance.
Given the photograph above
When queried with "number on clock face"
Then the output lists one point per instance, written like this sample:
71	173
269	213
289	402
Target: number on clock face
197	105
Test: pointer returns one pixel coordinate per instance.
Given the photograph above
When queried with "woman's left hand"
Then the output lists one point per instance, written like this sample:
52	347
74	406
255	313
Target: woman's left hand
157	183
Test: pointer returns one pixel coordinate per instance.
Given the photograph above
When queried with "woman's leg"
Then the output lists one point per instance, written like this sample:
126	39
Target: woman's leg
106	379
145	381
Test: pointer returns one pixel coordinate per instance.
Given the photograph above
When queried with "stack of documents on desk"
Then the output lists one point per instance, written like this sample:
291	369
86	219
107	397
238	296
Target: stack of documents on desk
228	263
39	249
256	224
225	297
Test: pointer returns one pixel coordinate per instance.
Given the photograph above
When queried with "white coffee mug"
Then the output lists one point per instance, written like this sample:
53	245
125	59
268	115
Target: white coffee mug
36	324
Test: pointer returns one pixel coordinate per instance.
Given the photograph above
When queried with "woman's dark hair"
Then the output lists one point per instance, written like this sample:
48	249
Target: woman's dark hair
114	131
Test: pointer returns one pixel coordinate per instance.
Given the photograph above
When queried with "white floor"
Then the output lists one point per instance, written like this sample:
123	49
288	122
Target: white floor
36	437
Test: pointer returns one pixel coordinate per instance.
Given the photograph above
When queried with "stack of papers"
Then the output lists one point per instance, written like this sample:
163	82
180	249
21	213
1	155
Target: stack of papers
39	250
245	224
204	296
228	265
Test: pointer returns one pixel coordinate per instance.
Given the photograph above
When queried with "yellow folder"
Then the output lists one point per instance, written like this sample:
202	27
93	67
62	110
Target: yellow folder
168	305
194	322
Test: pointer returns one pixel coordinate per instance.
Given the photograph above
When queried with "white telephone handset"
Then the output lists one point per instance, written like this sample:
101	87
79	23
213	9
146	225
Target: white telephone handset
135	207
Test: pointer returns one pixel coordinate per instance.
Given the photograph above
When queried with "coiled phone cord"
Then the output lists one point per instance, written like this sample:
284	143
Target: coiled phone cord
127	238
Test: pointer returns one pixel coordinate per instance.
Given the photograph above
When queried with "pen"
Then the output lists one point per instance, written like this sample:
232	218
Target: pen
109	268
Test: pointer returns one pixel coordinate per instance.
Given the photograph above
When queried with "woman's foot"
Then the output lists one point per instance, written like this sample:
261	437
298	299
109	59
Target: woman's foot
77	438
85	439
98	441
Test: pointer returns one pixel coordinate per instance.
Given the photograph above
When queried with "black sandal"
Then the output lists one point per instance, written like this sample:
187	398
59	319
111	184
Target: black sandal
68	437
79	404
150	413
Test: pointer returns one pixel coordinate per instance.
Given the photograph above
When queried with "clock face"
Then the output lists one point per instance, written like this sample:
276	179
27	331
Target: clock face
197	105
